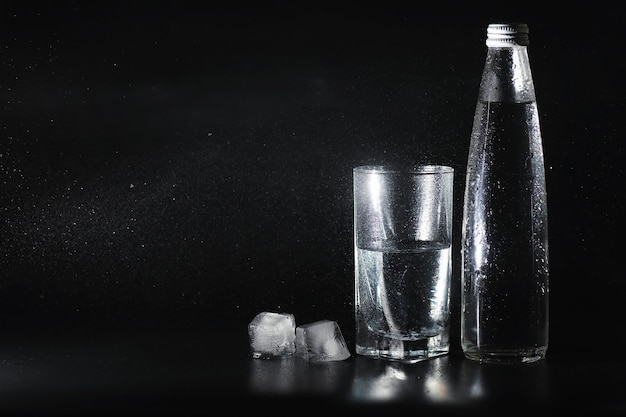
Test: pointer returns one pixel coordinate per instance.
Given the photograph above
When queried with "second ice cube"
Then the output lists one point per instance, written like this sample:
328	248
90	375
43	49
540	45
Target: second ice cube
321	341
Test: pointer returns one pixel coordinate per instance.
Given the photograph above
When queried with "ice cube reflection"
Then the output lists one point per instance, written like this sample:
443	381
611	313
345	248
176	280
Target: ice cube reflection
276	376
291	376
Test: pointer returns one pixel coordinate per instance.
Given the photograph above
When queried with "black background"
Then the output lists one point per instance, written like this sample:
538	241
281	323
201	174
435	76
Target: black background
186	165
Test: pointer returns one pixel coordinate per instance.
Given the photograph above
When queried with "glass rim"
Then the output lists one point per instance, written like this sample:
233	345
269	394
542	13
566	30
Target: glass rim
404	169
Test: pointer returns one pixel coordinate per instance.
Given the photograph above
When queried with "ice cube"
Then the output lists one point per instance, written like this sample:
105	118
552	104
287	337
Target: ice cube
272	335
321	341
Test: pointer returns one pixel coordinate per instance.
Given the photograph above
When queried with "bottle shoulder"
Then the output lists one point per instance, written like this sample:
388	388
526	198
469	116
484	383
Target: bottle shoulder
507	76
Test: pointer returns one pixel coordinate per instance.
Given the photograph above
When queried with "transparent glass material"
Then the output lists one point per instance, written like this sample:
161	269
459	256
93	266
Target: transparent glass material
402	249
505	288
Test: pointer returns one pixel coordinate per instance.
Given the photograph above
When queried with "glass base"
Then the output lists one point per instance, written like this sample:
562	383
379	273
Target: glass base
505	356
410	351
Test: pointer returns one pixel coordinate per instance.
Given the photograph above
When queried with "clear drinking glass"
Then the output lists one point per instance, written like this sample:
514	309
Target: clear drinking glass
403	261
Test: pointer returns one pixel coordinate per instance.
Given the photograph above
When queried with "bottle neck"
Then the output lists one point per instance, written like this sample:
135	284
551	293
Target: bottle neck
507	76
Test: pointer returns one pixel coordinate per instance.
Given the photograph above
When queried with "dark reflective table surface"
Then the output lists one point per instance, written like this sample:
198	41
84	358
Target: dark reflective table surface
190	372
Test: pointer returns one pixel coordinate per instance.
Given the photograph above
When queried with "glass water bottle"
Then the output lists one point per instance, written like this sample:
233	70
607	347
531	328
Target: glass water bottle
505	290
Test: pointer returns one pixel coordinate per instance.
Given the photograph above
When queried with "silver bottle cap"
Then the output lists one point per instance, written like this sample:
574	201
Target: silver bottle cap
507	34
